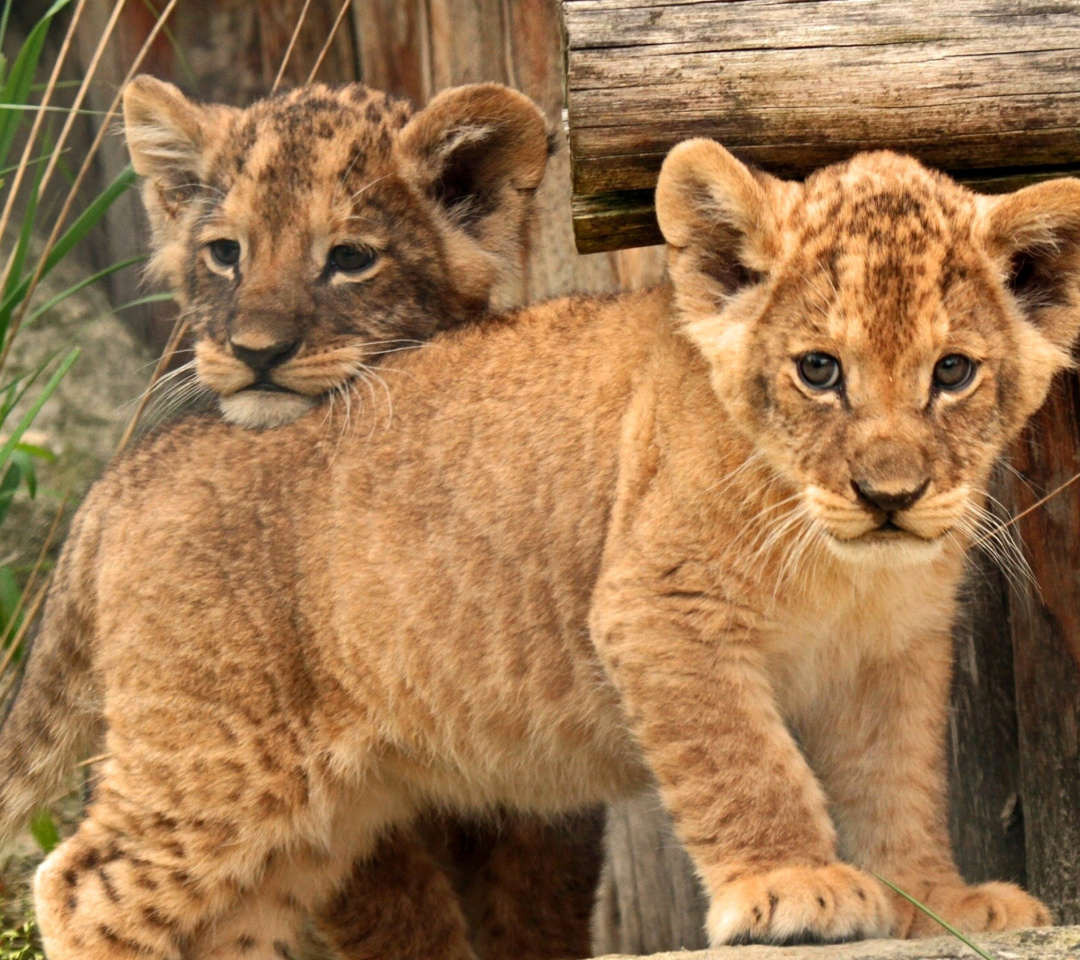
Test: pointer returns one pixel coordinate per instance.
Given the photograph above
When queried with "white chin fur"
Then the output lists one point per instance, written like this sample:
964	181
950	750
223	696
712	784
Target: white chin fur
257	409
908	551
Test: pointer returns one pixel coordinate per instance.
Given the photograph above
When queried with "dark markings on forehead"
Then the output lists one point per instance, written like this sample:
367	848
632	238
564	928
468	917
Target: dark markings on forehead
878	217
299	121
245	141
957	268
867	247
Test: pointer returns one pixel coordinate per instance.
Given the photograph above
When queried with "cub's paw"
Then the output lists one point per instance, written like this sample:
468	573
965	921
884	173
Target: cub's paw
989	906
800	904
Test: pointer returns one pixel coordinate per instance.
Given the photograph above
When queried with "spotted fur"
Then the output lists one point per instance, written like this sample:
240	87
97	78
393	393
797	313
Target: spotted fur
437	202
601	549
445	197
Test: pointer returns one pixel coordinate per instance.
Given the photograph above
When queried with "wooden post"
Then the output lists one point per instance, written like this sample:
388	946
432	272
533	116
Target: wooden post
985	809
649	898
1046	649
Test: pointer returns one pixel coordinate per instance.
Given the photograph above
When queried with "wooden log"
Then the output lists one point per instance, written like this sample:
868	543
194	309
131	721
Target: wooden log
981	88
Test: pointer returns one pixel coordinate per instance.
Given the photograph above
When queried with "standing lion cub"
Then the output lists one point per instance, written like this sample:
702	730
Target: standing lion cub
707	537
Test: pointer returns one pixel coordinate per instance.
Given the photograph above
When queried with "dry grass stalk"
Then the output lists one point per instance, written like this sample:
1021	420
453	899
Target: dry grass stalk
292	43
1023	513
17	319
35	129
175	339
329	40
38	566
69	121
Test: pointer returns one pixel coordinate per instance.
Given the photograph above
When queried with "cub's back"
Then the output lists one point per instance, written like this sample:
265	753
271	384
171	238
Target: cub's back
451	547
502	430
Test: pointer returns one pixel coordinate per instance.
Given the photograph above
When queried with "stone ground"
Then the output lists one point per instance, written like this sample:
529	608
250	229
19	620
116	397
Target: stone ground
1049	943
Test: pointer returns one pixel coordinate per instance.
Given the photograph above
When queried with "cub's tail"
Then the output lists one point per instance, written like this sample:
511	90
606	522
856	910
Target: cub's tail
55	713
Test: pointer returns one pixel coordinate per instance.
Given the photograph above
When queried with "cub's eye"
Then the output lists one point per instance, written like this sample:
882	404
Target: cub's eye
819	371
954	372
349	259
225	253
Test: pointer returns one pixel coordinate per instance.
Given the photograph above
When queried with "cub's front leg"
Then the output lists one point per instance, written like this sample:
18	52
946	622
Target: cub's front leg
742	796
877	741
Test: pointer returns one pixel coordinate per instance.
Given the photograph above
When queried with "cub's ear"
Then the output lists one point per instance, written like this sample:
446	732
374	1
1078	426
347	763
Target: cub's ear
718	219
167	136
164	131
479	152
1034	235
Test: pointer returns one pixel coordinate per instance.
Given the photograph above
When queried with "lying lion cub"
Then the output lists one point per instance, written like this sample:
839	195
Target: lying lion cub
307	237
607	543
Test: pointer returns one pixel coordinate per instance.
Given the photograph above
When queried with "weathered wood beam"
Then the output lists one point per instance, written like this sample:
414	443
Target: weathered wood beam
969	86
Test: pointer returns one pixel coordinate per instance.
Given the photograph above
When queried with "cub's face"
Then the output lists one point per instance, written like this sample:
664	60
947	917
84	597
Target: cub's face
314	231
879	332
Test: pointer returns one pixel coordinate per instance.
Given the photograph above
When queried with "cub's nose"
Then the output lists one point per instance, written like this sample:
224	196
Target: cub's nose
263	359
891	501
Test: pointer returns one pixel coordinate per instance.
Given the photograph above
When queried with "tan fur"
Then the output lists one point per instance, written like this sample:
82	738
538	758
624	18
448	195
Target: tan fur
606	543
271	177
441	199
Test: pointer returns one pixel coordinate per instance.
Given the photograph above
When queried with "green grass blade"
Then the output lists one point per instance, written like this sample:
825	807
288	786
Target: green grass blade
85	222
11	168
139	301
35	408
9	596
3	28
21	459
27	379
33	450
933	916
43	828
16	90
72	290
13	476
178	49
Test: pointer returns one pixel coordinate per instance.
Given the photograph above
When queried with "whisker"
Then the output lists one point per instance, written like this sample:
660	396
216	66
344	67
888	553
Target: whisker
1038	503
389	398
997	542
368	186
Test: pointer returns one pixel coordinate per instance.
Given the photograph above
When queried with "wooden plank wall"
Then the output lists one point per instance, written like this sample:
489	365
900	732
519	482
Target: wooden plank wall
970	86
417	47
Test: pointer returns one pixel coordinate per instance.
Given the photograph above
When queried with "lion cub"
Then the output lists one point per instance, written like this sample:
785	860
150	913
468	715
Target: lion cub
308	236
707	537
317	230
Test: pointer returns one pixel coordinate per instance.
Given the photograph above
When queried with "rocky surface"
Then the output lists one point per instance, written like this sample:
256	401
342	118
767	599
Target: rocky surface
1047	943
